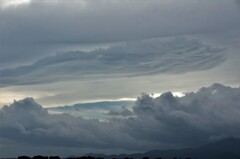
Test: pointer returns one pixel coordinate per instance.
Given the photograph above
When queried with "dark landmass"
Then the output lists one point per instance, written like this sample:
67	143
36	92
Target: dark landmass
228	148
224	149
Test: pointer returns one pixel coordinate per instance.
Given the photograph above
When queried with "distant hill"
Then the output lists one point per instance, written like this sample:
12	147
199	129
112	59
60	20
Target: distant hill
228	148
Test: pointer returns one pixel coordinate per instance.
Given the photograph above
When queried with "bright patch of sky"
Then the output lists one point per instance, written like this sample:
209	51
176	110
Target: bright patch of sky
13	3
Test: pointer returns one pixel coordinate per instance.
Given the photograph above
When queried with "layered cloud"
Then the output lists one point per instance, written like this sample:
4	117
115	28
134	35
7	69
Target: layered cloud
136	58
29	32
209	114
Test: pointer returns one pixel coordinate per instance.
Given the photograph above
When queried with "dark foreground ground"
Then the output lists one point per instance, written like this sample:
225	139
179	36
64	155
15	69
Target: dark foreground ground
83	157
228	148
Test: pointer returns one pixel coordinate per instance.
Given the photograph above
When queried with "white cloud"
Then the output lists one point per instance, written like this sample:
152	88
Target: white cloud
163	122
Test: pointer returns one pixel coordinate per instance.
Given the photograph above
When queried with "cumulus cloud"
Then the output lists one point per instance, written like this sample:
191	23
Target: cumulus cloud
195	118
26	121
125	112
209	114
136	58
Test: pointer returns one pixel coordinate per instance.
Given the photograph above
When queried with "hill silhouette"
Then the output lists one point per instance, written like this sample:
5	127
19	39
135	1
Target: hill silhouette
228	148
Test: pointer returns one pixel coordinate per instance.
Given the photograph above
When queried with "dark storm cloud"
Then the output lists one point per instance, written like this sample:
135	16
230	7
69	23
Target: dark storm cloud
36	126
33	31
171	55
209	114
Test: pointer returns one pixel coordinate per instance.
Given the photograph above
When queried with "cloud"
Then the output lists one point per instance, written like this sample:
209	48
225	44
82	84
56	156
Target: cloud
33	31
136	58
26	121
195	118
125	112
164	122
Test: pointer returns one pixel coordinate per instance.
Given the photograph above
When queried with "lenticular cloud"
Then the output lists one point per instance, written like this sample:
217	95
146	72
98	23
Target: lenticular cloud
211	113
130	59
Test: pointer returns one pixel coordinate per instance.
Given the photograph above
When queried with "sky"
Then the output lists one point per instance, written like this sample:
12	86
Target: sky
56	53
65	52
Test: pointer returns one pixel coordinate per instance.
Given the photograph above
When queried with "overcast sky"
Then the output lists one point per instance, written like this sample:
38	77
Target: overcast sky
66	52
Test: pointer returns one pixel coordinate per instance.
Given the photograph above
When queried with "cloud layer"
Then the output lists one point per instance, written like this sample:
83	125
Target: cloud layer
33	31
44	44
136	58
209	114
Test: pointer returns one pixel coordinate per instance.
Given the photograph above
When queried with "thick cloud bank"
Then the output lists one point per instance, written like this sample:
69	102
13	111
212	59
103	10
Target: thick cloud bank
30	31
143	57
209	114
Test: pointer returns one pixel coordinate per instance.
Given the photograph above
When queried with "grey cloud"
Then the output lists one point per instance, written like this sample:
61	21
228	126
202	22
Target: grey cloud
195	118
38	29
164	122
136	58
26	121
125	112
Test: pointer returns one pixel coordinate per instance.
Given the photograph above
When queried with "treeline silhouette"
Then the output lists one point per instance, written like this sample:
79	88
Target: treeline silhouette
83	157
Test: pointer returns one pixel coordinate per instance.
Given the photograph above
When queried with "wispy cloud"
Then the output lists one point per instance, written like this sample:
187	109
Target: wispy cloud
137	58
33	32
